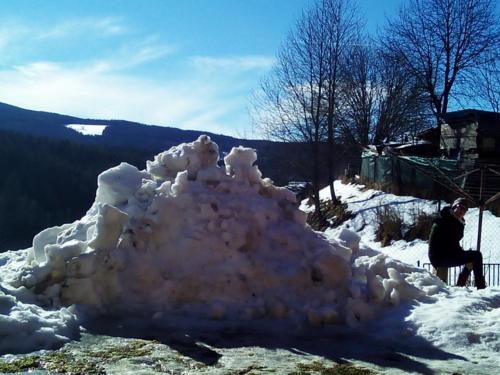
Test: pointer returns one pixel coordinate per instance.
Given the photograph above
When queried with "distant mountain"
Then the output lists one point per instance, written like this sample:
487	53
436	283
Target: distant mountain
279	161
117	132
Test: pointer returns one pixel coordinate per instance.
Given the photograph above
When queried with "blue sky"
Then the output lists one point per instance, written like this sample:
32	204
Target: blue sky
192	64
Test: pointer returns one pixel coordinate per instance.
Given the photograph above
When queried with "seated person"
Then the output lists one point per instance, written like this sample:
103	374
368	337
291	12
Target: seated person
444	244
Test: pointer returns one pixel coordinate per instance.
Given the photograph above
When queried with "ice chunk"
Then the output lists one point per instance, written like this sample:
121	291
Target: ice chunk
46	237
110	223
190	157
116	185
350	239
239	162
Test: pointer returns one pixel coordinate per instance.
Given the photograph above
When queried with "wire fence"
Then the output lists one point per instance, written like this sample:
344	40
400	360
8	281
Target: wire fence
491	273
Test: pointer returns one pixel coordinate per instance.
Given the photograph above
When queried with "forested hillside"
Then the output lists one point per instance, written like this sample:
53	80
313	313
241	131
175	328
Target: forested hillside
49	182
118	133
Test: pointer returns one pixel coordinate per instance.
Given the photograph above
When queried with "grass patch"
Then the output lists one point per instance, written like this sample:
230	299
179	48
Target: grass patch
349	179
389	225
91	362
165	367
20	365
250	370
335	214
386	187
131	350
63	362
315	368
421	227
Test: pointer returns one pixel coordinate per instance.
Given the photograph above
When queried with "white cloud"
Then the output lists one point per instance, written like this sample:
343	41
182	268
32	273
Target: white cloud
37	69
19	39
82	92
133	54
188	102
11	32
236	64
106	26
149	53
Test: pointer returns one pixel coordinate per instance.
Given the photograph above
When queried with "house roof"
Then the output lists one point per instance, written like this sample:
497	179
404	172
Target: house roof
429	134
487	121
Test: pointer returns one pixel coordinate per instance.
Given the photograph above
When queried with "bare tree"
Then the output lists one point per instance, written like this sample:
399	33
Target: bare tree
486	86
341	26
442	40
361	88
289	107
380	99
299	99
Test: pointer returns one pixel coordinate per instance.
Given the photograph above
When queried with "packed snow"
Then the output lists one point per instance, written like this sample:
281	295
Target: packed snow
187	237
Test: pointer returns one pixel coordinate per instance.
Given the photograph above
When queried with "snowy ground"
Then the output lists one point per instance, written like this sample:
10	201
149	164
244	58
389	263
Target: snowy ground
227	279
411	338
365	202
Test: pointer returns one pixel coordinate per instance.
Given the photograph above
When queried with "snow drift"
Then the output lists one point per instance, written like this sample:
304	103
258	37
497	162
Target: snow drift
187	236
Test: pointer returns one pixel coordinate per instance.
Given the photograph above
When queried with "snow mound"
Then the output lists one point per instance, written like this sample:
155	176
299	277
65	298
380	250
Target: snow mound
186	236
25	327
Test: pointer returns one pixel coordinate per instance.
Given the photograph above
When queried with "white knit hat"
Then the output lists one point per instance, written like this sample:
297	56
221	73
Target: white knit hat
461	201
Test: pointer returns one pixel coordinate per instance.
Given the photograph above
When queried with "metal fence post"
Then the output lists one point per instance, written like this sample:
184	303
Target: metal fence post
481	209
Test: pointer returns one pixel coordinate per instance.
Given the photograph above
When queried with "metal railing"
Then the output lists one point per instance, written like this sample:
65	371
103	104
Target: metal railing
491	272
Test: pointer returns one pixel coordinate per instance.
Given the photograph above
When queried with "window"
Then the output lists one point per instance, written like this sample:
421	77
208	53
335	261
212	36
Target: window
488	144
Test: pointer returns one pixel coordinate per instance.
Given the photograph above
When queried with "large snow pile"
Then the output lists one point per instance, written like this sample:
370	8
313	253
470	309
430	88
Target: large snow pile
186	236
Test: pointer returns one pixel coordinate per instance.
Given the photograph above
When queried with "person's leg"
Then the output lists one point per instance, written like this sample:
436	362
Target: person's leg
452	261
463	276
476	258
462	258
477	268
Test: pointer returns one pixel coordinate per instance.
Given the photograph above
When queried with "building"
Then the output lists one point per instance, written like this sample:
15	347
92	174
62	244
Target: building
471	134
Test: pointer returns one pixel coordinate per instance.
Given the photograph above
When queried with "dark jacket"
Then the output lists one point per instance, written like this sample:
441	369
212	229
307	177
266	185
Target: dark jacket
446	233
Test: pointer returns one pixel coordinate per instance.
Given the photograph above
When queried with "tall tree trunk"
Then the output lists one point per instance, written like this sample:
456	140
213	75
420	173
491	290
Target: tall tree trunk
331	177
315	181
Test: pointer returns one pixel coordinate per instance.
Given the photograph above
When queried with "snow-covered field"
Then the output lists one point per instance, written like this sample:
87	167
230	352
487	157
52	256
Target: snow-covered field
185	240
87	129
364	203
